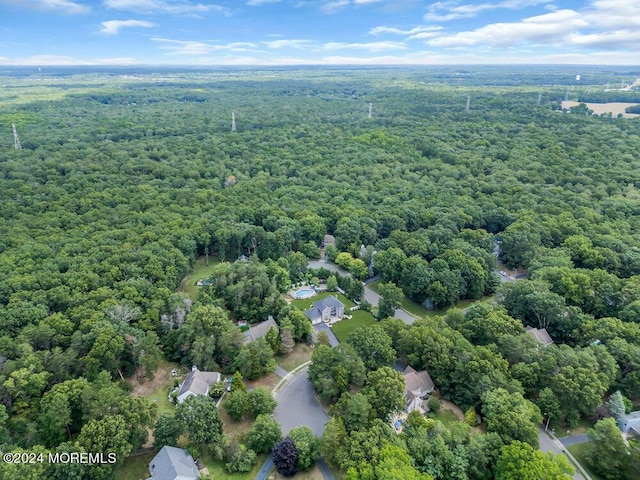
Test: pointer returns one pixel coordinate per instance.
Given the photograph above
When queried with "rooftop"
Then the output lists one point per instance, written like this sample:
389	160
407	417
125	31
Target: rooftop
173	463
541	335
259	330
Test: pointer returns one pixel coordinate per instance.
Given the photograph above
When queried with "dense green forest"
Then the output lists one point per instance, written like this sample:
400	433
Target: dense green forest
125	177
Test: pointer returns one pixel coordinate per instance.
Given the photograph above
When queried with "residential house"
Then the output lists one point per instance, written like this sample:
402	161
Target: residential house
541	335
259	330
173	463
418	386
329	308
630	424
197	383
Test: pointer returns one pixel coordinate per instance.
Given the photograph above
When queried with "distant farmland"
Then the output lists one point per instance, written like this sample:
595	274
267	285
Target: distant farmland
599	108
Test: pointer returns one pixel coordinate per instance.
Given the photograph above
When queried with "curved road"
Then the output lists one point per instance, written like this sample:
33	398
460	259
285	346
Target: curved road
298	406
370	296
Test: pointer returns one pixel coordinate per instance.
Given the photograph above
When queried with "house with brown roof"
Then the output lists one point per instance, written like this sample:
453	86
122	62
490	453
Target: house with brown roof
541	335
418	386
197	383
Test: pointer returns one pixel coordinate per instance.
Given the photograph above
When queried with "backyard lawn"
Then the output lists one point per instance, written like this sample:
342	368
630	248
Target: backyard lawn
447	417
304	303
199	271
359	318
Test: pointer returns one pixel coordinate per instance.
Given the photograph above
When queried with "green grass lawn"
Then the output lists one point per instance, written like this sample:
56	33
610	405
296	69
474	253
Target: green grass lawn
360	318
305	303
217	471
135	467
408	305
580	452
199	271
446	416
583	425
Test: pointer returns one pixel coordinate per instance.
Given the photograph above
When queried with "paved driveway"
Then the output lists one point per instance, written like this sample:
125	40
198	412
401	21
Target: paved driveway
297	405
323	327
574	440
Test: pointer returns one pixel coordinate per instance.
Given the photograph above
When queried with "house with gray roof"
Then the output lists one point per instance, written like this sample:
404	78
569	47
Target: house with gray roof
541	335
630	424
173	463
197	383
418	385
329	308
259	330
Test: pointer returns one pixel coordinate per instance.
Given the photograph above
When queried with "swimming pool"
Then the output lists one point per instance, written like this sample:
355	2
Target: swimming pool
304	293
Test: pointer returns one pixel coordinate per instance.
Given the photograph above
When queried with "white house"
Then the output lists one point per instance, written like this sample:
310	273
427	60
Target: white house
325	310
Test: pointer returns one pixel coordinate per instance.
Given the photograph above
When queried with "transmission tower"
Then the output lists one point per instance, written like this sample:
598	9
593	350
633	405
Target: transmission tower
468	103
16	140
566	97
539	97
370	109
233	121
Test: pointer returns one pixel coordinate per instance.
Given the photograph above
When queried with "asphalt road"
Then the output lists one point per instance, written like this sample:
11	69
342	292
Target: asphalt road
547	444
298	406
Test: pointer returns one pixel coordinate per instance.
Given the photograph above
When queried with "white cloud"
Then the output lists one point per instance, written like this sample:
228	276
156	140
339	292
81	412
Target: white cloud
542	29
193	48
370	46
290	43
397	31
165	6
112	27
447	11
56	6
332	7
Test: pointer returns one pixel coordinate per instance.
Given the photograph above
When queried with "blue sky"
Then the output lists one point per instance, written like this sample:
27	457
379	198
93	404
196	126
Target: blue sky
317	32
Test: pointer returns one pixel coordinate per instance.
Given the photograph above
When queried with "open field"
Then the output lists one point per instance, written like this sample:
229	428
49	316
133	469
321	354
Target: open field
199	271
359	318
614	108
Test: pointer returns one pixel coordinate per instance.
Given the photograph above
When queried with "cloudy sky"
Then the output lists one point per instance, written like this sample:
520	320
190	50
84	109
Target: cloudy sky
295	32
